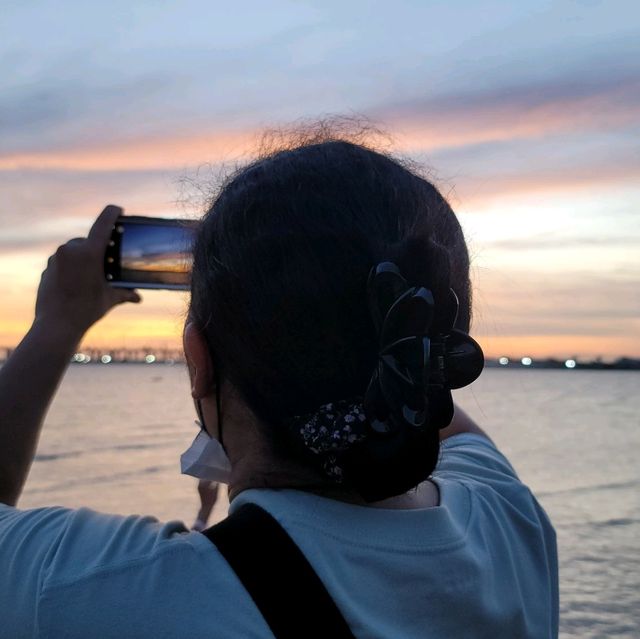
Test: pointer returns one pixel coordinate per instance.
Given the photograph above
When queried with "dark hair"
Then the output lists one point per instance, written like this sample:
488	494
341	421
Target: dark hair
281	265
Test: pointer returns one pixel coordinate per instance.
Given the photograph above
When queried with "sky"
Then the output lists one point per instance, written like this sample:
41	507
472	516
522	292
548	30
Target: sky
525	114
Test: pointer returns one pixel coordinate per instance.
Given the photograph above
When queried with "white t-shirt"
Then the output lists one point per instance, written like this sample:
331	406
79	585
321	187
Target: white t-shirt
481	564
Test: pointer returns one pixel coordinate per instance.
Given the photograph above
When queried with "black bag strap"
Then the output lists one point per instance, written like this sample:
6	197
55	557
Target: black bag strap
280	580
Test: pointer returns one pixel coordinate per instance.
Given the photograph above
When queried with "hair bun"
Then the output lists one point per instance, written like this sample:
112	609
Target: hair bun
409	396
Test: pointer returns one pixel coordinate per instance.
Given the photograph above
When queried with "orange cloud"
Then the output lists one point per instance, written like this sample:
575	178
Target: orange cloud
422	125
156	322
169	152
138	333
480	192
518	112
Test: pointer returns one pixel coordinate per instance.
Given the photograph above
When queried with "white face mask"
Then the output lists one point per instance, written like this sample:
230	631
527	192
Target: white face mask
206	459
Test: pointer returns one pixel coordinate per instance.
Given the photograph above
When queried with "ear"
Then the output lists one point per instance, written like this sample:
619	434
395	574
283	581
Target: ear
199	362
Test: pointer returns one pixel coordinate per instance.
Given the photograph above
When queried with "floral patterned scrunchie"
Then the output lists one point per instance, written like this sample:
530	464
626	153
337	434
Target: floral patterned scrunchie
332	429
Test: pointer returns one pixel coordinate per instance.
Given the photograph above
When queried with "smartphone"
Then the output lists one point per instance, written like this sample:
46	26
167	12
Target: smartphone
150	252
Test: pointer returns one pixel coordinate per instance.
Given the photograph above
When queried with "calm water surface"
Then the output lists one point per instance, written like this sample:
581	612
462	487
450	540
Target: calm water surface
114	435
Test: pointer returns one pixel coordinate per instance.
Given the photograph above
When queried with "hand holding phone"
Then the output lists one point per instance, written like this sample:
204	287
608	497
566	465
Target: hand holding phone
151	253
73	294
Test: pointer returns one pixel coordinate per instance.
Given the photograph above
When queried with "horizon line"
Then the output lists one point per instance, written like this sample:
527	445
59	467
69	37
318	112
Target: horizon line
167	354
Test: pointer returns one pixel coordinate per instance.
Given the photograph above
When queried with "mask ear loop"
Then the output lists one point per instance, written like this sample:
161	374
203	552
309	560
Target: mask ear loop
200	421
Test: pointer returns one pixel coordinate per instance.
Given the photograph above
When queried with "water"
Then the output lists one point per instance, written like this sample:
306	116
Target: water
114	435
573	437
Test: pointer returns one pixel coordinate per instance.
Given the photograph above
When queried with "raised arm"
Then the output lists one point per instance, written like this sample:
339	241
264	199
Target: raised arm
72	296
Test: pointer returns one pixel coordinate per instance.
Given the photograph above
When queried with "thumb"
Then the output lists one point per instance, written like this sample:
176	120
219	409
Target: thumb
123	295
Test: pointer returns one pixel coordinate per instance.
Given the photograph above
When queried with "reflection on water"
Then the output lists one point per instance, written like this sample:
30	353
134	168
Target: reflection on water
115	433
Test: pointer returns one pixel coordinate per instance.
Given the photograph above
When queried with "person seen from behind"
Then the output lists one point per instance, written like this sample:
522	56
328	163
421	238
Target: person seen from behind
328	323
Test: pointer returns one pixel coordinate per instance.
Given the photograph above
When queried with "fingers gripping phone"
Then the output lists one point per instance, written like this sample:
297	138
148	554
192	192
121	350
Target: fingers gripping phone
150	252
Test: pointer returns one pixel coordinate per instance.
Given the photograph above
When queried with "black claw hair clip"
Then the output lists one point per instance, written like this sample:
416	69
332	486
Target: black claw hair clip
416	370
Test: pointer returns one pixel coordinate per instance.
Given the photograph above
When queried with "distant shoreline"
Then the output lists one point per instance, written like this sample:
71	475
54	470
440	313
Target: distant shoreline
151	356
621	364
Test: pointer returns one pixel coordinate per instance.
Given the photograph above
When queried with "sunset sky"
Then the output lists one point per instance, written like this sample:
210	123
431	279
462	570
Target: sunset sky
527	115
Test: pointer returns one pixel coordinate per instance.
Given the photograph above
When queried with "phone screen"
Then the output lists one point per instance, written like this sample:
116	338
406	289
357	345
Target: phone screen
150	253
